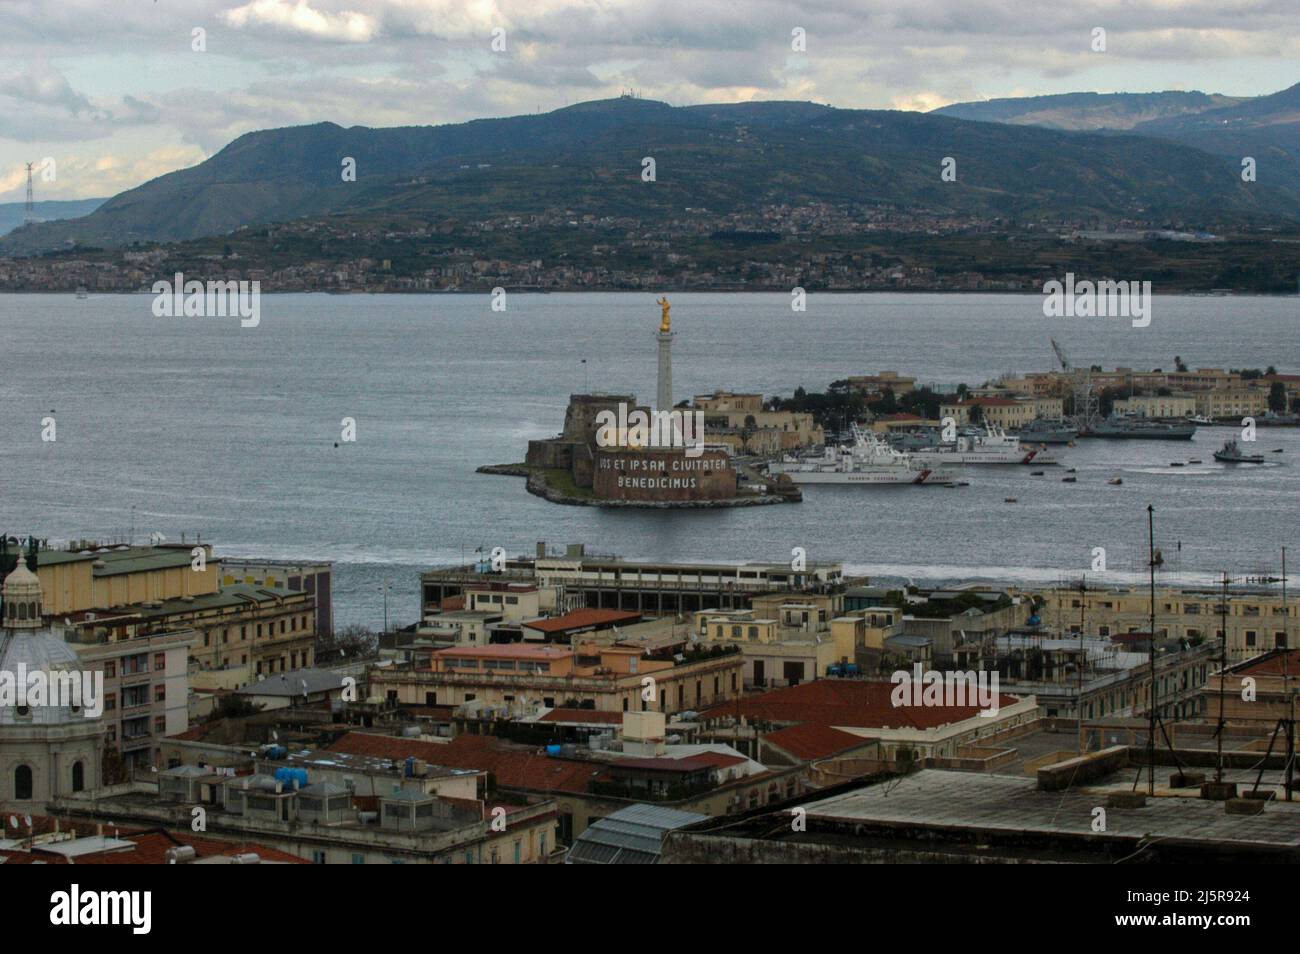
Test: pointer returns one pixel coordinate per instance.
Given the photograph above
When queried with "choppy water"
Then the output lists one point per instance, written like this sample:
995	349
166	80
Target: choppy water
198	425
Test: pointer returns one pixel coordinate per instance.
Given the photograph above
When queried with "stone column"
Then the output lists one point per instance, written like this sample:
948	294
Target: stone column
664	400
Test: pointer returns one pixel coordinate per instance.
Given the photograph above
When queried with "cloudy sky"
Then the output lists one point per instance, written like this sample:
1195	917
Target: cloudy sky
115	93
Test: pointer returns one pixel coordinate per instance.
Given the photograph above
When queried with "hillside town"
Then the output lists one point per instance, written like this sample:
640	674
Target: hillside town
816	246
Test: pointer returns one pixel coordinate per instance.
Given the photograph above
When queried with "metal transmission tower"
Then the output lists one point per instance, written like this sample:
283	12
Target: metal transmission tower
1087	410
29	210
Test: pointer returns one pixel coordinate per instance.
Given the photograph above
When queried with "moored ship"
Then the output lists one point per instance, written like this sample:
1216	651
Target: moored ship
1143	429
867	460
992	446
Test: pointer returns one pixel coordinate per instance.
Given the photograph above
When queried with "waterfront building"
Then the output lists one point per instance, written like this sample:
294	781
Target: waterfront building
742	423
873	386
1234	403
1005	412
1156	405
314	579
599	581
118	592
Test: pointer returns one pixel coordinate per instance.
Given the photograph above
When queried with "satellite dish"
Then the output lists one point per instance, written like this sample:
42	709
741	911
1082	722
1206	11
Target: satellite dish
28	820
13	821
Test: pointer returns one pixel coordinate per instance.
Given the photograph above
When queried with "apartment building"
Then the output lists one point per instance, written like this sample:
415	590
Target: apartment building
314	579
146	681
1257	619
607	678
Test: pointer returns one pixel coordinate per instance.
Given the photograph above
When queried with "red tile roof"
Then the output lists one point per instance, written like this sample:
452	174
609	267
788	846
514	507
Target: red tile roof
810	742
582	618
1271	665
514	766
151	849
849	702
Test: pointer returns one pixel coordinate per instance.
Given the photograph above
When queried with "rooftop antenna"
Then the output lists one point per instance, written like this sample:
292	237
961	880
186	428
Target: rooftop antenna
1153	715
1285	722
1083	652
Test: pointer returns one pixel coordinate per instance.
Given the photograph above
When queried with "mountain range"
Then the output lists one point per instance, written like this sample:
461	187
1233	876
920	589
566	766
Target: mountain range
1265	128
1157	157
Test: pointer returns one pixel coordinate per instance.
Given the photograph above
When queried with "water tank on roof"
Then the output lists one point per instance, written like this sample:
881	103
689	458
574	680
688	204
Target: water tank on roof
554	750
291	779
275	752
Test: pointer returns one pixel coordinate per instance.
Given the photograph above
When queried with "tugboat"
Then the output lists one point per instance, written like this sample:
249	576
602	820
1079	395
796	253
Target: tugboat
1232	454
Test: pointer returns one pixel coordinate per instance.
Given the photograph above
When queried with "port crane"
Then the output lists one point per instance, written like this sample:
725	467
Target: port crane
1086	408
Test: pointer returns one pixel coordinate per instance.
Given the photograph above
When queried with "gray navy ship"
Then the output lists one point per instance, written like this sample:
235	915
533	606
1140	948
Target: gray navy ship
1142	429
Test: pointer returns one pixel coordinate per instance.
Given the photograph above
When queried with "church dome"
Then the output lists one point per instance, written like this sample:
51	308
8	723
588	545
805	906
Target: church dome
27	646
37	651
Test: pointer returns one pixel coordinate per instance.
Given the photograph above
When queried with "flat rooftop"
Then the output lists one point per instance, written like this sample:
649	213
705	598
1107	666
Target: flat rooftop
967	800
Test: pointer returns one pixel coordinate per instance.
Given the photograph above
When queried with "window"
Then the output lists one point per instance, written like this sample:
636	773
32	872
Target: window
23	783
318	857
78	776
159	693
358	859
110	669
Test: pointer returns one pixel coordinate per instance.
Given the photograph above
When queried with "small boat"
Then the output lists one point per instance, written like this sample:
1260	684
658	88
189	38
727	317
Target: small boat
1069	480
1277	450
1176	463
1194	460
1201	419
1115	481
1072	470
1009	500
1233	454
1036	473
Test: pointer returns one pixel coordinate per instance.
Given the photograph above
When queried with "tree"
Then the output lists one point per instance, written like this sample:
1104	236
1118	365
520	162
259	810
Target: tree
1277	397
976	414
747	432
234	707
1178	363
356	642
